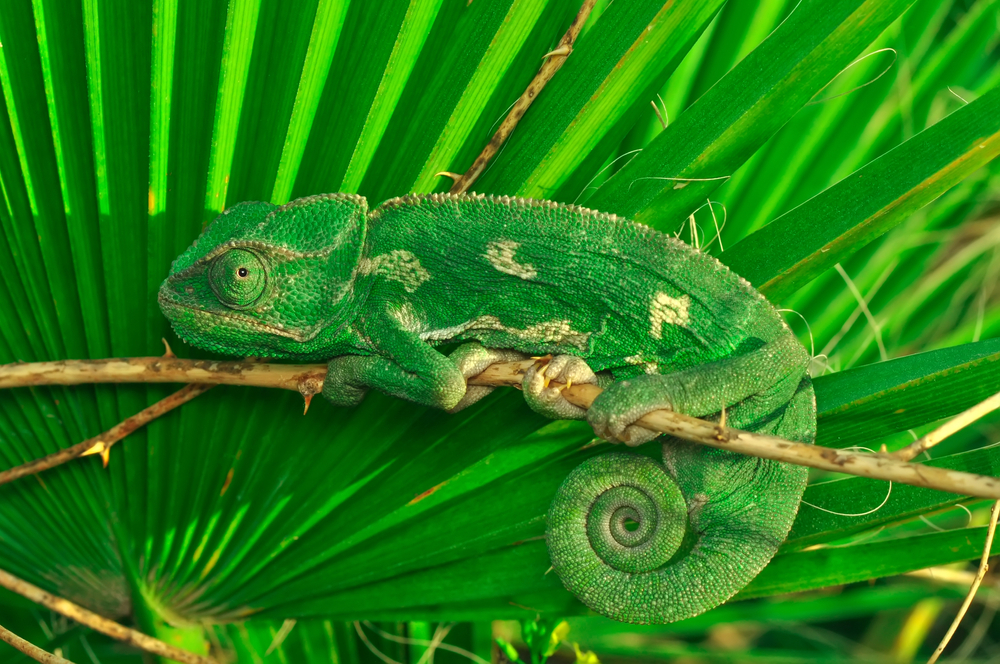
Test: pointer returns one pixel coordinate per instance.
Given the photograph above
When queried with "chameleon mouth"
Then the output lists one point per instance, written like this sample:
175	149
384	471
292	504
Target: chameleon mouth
168	305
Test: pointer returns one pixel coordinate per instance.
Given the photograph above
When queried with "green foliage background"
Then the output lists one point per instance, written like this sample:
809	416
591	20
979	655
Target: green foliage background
237	509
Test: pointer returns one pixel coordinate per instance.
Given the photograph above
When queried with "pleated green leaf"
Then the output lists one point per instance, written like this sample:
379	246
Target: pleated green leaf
695	154
880	195
126	127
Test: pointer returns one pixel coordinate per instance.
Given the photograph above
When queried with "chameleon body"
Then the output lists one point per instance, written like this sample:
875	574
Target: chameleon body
653	321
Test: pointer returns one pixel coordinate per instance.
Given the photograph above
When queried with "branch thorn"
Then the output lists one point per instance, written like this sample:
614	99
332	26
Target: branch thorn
563	50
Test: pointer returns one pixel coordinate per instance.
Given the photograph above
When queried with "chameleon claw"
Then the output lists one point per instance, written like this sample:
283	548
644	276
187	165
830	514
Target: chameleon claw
308	399
546	379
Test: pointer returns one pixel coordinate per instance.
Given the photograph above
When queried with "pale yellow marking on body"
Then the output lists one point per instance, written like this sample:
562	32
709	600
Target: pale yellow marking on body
501	256
648	366
408	318
397	265
547	332
670	310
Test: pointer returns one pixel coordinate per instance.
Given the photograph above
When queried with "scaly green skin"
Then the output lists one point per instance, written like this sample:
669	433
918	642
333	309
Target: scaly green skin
323	279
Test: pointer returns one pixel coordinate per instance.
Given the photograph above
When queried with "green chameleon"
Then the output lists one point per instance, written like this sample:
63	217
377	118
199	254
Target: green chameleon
654	322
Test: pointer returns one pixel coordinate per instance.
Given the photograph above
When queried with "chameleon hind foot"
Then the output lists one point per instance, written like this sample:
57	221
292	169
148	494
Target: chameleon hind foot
615	410
549	401
472	359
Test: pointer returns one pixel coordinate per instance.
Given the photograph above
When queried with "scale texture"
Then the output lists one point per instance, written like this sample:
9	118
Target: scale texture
655	322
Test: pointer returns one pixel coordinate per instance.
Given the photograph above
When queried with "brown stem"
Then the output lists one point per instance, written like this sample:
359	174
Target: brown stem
983	567
101	443
308	379
953	425
875	466
99	623
30	649
554	60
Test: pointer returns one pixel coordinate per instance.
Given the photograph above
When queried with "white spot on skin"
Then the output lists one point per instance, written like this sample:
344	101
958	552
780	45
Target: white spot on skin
444	333
666	309
408	318
648	366
548	332
501	256
397	265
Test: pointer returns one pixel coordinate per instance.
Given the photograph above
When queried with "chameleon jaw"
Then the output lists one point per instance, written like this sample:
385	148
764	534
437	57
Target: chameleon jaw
235	320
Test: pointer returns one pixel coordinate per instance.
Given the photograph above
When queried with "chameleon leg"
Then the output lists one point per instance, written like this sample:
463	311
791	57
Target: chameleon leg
416	372
698	391
472	359
737	510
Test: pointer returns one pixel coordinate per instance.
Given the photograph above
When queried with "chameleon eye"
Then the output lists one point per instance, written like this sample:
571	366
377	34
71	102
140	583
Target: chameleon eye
238	278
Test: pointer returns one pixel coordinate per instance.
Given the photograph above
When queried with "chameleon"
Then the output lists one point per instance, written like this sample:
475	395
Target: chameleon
654	322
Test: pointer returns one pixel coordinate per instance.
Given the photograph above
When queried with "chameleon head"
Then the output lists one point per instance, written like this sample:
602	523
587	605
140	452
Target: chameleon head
268	281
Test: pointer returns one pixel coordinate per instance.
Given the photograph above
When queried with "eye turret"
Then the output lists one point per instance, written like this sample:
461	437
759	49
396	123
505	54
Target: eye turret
238	278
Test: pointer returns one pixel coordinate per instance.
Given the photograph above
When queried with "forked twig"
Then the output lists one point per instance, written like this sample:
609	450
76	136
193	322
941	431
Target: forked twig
30	649
308	380
554	60
950	427
98	623
983	567
101	443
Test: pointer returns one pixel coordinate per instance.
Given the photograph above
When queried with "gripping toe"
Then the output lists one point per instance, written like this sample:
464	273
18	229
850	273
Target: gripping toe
472	359
549	401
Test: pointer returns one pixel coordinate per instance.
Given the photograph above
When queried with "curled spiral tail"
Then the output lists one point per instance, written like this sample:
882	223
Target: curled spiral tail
703	526
706	522
598	556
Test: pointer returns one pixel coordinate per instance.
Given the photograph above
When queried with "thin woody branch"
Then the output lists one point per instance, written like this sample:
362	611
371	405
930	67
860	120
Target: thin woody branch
980	574
98	623
950	427
308	380
875	466
101	443
554	60
30	649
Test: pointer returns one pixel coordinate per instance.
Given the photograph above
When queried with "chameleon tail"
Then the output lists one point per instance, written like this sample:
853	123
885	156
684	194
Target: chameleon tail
706	523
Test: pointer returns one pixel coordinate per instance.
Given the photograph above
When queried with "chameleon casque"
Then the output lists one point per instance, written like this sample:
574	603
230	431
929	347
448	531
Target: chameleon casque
653	321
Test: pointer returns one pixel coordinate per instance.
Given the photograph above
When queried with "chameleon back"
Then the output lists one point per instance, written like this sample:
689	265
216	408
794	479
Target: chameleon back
541	277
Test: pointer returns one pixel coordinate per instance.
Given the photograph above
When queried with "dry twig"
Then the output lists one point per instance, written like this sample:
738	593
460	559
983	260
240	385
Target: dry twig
30	649
302	378
983	567
950	427
875	466
554	60
98	623
101	443
308	380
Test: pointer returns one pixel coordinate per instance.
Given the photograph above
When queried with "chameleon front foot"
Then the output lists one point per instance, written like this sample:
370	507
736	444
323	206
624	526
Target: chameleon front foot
549	401
341	387
472	359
